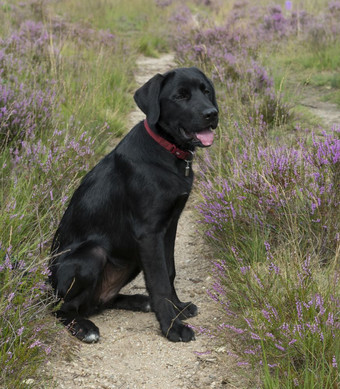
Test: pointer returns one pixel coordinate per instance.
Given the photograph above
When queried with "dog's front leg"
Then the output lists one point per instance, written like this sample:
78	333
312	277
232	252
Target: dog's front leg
184	309
158	283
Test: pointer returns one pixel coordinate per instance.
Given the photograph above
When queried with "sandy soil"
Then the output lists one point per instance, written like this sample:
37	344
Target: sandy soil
132	353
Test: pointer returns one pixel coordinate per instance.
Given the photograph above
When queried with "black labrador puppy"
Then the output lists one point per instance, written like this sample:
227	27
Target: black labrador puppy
123	217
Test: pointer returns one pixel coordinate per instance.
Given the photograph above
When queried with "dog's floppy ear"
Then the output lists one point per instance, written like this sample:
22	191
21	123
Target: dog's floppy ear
147	98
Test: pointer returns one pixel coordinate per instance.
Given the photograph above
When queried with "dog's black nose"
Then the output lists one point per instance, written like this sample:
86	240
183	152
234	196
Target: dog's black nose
210	114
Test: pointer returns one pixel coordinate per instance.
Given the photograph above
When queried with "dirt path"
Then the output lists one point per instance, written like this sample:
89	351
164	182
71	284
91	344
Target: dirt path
132	353
328	112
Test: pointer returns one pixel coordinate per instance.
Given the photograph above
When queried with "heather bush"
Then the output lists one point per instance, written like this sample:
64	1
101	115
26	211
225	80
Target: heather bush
37	176
25	327
25	107
64	92
269	202
271	213
274	191
280	316
35	78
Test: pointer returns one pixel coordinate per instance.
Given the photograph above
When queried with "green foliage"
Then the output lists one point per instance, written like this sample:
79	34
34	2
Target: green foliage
140	22
151	45
66	82
322	58
269	197
97	90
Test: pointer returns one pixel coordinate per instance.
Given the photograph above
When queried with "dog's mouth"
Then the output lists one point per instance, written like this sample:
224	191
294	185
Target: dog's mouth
205	137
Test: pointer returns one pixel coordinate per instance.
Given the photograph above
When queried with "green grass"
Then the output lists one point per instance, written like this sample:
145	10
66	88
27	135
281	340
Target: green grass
98	90
151	45
327	79
317	57
301	66
119	16
93	80
140	21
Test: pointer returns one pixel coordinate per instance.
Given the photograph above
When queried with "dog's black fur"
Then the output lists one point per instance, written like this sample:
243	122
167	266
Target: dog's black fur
123	217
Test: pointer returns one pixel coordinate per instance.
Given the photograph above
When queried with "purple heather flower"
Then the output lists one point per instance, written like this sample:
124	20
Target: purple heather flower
267	245
299	329
10	297
266	314
289	5
334	363
248	321
278	346
244	269
273	267
258	281
330	319
299	310
212	295
219	266
242	363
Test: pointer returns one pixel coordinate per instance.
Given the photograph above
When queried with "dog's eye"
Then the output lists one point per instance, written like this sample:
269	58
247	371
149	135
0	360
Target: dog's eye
182	95
205	89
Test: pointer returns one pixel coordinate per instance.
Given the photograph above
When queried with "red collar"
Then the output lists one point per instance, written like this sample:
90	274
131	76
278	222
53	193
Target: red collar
181	154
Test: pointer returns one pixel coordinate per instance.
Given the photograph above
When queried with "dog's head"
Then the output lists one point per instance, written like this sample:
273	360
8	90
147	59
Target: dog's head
181	105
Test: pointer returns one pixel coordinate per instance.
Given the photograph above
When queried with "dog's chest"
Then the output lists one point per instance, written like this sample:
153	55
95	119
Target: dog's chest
181	201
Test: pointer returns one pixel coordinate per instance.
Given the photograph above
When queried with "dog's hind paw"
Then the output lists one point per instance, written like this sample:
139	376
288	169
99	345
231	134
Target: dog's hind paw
85	330
91	338
134	302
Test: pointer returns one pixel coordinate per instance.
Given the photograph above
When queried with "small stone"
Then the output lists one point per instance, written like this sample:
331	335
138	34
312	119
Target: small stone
28	381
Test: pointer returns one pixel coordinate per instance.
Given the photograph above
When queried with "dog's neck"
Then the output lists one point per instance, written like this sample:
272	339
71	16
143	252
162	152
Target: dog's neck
186	155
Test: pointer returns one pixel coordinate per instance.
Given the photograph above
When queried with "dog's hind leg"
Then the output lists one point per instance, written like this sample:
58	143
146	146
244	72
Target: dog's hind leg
84	329
77	276
134	302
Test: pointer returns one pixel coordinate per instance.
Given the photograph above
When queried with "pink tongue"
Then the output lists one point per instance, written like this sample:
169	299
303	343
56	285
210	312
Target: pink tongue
206	137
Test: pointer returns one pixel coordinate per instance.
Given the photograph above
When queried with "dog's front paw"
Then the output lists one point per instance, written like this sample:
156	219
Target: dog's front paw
178	332
187	310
